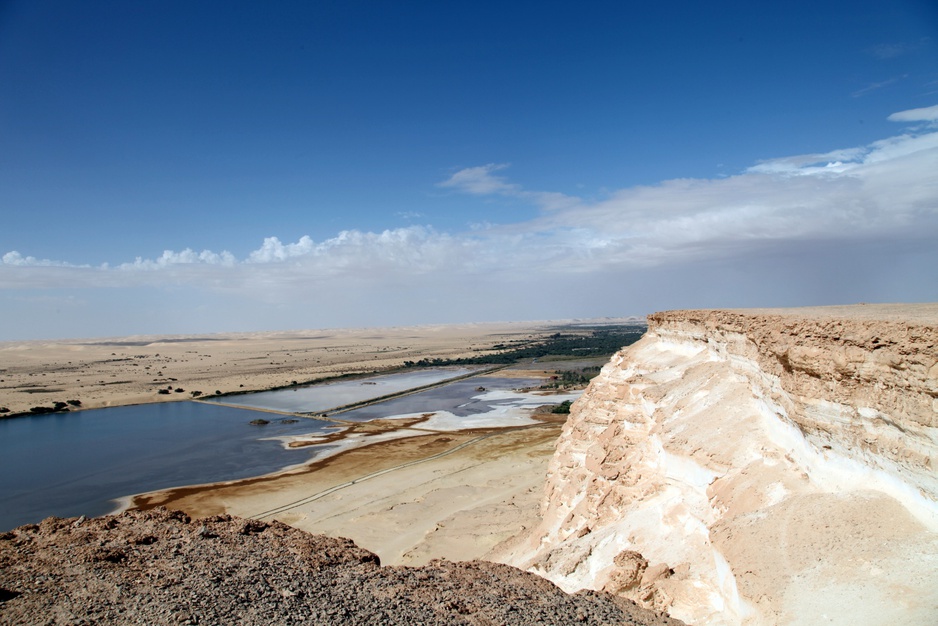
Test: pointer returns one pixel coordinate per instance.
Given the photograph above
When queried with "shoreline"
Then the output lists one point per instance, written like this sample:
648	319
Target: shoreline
503	406
360	436
106	373
441	484
507	463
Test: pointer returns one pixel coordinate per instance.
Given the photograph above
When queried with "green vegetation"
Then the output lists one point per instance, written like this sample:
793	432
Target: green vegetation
563	407
580	343
564	379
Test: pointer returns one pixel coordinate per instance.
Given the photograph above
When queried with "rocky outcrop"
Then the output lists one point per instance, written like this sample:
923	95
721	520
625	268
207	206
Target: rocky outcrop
755	467
160	567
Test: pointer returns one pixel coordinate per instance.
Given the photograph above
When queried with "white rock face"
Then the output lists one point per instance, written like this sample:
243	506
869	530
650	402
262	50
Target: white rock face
739	467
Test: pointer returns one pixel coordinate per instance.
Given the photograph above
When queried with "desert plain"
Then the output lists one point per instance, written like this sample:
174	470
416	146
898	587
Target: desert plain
131	370
781	456
408	492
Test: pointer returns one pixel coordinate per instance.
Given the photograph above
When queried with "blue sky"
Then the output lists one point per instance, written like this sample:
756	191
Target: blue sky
170	167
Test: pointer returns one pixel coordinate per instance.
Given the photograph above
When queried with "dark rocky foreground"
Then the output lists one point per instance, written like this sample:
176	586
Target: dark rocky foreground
160	567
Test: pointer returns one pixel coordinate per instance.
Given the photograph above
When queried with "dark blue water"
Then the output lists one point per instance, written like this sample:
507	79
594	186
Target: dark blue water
76	463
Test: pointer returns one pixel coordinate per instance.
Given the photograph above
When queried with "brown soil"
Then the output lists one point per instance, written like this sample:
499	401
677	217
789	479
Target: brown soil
160	567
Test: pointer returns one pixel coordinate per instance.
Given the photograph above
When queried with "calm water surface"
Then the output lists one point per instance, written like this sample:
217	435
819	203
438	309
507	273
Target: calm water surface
70	464
78	463
325	396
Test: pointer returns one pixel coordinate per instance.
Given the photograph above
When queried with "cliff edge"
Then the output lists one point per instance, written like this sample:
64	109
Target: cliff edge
755	467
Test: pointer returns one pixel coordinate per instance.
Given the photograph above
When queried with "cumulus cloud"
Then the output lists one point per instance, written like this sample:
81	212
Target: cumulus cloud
186	257
14	258
879	197
411	249
273	250
879	190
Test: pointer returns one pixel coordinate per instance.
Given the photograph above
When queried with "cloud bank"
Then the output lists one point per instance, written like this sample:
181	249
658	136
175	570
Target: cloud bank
815	213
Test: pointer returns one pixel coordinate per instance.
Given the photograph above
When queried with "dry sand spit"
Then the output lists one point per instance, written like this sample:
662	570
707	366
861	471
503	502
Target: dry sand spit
755	467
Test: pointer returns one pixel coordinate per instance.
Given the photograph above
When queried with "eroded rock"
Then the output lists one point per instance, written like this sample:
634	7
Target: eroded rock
771	464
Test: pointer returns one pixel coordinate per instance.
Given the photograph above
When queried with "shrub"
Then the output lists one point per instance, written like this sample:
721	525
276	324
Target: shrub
563	407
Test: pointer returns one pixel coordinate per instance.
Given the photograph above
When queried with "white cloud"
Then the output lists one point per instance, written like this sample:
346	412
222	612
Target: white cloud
879	190
834	162
14	258
481	180
855	200
877	86
186	257
273	250
924	114
876	190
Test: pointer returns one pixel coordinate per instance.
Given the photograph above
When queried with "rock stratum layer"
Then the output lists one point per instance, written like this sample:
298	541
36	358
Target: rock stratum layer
755	467
160	567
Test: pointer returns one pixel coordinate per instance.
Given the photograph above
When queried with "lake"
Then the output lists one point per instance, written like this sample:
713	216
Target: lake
77	463
325	396
81	462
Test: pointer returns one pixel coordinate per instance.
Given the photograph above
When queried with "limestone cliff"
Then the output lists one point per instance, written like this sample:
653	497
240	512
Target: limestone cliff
755	467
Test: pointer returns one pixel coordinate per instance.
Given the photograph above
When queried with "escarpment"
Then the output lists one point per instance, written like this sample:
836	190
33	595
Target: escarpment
755	467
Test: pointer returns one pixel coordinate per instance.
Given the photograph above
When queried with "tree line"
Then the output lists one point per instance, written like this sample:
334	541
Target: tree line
600	341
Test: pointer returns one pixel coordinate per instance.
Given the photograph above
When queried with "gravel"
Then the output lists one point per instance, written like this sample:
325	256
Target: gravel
161	567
